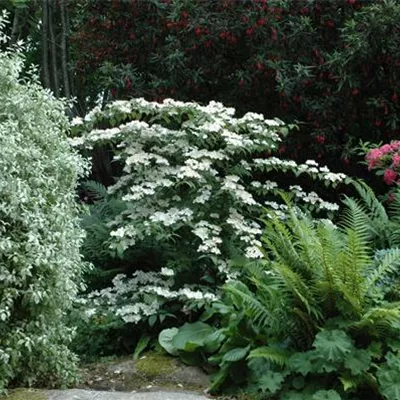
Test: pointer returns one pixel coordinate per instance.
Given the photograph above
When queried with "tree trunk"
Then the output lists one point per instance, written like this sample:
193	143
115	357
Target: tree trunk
45	44
16	28
53	50
64	49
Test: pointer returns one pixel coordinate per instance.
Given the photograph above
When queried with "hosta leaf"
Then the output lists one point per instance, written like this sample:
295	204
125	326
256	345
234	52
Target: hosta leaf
271	381
358	361
236	354
333	345
213	341
165	339
192	336
326	395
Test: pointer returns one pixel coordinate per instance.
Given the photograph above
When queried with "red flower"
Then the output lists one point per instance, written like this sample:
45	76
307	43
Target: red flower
394	97
330	24
128	83
378	123
320	139
113	92
260	66
274	34
355	92
250	31
261	21
198	31
389	176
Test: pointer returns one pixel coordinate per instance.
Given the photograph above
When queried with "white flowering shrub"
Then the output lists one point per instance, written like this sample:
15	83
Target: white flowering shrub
195	177
40	264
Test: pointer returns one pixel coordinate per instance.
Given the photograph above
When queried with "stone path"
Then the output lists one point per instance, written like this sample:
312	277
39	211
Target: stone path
77	394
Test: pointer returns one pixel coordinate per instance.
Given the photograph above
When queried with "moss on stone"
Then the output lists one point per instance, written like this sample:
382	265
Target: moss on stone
26	394
156	365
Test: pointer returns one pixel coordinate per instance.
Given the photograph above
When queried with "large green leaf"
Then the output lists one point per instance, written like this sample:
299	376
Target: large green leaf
236	354
333	345
271	381
358	361
192	336
213	341
326	395
165	339
301	363
389	377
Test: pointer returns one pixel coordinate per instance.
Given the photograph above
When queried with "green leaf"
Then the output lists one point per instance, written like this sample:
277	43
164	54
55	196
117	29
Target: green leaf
333	345
191	358
192	336
236	354
152	320
141	346
326	395
358	361
213	342
298	382
348	382
219	378
165	339
273	354
301	363
271	381
292	395
389	378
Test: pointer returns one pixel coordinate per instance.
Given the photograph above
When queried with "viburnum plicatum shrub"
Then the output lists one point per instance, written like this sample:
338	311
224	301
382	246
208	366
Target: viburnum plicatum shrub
198	178
40	263
333	65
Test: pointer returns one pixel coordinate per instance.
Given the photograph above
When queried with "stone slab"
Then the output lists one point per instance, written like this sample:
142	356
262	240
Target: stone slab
77	394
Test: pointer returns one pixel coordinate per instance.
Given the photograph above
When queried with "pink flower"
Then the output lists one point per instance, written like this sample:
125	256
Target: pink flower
396	160
389	176
395	145
373	157
386	148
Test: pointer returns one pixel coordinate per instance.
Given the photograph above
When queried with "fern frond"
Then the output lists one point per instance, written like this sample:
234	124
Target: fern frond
272	354
244	299
355	218
95	189
388	265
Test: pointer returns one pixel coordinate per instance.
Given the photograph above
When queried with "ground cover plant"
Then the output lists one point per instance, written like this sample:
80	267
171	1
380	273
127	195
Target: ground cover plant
40	234
317	319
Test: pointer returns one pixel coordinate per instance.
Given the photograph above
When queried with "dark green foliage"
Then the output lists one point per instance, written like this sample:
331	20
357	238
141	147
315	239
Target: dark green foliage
333	65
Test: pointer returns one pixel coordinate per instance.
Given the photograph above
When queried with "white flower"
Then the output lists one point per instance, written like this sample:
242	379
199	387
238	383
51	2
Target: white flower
167	272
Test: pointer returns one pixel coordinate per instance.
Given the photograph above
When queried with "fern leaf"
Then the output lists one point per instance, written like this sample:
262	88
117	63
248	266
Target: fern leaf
272	354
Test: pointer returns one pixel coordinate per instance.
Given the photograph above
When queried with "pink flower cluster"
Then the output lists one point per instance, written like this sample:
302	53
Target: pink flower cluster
386	157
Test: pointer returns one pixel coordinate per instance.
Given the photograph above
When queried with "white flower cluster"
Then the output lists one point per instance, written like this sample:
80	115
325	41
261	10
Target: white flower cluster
137	298
209	235
313	198
310	167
